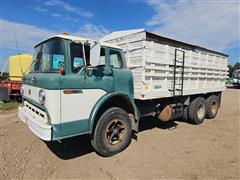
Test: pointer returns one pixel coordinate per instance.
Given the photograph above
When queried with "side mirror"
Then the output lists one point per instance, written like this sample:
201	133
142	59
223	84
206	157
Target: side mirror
95	53
61	70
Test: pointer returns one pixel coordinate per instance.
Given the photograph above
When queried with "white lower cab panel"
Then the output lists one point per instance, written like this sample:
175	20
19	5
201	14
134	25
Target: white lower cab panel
79	105
41	129
52	102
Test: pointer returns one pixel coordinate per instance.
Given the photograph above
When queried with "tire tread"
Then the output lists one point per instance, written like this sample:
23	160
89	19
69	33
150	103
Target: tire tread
193	118
209	100
96	139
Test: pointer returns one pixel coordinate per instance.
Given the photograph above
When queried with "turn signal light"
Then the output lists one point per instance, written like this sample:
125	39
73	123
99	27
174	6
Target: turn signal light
61	70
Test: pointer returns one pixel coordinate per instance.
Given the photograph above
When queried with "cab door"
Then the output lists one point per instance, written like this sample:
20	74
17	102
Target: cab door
81	88
122	77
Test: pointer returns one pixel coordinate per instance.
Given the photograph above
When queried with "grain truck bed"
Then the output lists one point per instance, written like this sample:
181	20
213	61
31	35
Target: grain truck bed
157	65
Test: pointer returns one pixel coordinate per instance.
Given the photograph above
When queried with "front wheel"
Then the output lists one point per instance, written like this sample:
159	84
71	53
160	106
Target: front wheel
112	133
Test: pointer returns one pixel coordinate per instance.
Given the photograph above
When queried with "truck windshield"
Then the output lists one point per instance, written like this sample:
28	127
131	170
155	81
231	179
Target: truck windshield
48	56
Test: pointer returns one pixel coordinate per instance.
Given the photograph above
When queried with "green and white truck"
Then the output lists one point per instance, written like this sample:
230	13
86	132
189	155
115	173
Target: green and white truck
102	88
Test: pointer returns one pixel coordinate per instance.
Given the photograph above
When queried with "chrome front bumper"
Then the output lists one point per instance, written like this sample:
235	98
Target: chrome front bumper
41	129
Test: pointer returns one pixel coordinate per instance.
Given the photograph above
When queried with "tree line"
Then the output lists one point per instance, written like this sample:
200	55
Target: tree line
233	68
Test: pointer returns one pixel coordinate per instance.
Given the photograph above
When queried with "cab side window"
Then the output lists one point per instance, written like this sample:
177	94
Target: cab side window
102	60
115	59
77	57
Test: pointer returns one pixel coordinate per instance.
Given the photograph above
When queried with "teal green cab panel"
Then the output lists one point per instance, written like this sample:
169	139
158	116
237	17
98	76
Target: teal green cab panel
49	81
104	99
71	128
88	79
123	82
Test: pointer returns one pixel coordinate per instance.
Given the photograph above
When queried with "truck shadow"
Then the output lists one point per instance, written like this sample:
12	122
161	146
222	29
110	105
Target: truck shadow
72	147
148	123
80	145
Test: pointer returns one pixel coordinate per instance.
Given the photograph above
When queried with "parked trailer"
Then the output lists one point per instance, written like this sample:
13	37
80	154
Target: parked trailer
80	86
11	87
10	90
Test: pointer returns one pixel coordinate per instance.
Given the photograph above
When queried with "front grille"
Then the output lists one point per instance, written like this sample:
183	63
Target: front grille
36	112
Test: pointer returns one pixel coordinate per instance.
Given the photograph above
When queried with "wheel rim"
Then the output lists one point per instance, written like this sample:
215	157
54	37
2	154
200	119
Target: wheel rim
201	111
115	132
214	107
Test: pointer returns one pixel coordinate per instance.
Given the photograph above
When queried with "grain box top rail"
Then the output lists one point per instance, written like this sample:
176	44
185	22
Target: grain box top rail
160	39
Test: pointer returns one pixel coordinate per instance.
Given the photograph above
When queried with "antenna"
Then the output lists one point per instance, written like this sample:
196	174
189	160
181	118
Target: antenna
19	55
4	68
17	45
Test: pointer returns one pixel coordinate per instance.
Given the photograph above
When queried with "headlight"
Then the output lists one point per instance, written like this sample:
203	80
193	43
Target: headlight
22	89
42	96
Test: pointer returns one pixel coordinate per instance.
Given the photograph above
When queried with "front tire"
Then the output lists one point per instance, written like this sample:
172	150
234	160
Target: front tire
197	110
112	133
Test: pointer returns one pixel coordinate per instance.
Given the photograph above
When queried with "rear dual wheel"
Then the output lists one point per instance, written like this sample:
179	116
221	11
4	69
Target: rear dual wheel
197	110
212	104
200	108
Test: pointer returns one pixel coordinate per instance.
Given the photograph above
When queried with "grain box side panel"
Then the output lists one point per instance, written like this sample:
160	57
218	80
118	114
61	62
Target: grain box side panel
204	72
152	67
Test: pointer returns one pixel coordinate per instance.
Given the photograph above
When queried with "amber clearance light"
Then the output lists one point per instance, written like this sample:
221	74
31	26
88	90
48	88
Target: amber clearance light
61	70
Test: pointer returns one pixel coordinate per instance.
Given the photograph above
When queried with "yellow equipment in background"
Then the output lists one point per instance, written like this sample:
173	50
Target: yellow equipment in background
18	66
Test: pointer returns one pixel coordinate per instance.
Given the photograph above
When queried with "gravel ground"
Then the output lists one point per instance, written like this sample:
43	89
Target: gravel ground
161	150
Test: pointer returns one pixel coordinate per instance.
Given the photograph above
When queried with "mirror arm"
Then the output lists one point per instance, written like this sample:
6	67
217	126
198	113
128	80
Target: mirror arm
84	55
85	61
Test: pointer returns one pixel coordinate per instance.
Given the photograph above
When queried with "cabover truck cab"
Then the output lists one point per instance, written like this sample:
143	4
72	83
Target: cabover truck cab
80	86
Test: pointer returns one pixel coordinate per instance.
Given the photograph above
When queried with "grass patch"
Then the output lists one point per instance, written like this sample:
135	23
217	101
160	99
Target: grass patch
9	105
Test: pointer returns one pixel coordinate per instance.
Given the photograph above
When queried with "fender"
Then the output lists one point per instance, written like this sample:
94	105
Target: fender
102	100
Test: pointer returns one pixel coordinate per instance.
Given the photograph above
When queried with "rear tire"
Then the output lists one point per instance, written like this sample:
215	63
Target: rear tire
212	105
185	113
197	110
112	133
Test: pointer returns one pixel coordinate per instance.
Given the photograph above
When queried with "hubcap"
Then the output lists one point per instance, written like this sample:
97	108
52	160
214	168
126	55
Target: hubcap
115	132
200	111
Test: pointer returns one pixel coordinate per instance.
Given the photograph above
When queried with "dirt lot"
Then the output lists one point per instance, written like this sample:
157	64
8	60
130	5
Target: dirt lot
162	150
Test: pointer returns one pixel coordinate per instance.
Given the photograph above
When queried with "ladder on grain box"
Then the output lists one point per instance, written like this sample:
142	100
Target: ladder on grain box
178	73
